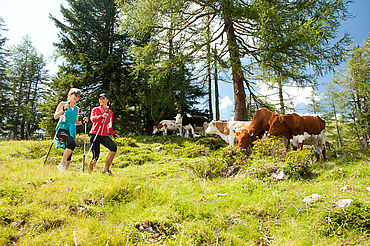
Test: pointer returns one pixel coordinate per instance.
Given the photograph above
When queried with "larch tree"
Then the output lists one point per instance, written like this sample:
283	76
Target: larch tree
287	38
358	81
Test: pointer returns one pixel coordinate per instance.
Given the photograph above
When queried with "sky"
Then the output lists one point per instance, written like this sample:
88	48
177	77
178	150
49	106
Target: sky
31	17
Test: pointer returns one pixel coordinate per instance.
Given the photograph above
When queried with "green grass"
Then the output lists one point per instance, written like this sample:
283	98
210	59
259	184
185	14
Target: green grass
160	197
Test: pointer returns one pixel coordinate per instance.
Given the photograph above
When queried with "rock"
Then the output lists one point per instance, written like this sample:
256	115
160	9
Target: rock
344	188
159	147
279	174
48	181
343	203
312	198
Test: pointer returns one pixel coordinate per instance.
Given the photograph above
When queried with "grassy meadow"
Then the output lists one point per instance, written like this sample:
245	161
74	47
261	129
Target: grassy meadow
174	191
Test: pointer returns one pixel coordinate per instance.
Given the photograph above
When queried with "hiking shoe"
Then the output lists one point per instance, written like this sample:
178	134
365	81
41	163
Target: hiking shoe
61	167
108	172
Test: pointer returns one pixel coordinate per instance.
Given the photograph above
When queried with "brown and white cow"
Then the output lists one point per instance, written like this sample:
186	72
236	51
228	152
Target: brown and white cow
227	130
257	128
167	125
300	130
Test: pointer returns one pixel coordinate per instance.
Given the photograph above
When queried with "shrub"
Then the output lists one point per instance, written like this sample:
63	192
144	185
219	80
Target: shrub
354	217
212	143
226	162
126	142
271	147
187	149
298	163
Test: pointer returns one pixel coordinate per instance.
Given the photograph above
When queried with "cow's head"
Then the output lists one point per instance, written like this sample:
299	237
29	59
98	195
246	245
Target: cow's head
245	138
211	129
178	119
155	130
277	126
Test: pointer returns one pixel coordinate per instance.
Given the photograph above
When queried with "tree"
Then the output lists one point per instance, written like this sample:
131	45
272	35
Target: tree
95	57
169	86
4	88
299	41
285	37
26	75
349	93
314	105
358	81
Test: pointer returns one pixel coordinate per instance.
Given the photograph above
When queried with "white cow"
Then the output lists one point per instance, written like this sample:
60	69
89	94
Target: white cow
167	125
227	130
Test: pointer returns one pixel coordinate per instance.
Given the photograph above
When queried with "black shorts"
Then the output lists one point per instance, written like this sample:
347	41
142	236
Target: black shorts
106	141
67	139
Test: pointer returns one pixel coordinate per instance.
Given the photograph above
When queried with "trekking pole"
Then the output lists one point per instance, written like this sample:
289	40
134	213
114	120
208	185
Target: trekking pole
83	164
104	151
102	155
55	136
97	133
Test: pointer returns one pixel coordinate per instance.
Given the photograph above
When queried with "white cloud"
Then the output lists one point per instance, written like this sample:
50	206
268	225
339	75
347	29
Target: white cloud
225	103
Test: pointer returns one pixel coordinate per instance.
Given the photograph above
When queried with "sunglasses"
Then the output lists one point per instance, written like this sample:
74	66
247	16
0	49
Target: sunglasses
77	94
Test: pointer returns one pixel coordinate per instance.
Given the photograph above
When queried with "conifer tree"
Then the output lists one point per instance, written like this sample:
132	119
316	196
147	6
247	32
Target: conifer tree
4	89
27	75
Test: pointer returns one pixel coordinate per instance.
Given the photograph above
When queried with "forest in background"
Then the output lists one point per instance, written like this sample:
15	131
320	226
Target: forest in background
157	58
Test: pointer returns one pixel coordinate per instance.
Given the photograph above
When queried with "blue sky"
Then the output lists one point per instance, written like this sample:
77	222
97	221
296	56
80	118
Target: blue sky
30	17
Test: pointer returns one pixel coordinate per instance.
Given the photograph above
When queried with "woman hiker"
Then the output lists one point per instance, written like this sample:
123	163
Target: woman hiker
102	119
66	135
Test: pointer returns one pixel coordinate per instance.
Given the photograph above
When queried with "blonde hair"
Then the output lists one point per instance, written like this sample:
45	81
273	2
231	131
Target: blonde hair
72	91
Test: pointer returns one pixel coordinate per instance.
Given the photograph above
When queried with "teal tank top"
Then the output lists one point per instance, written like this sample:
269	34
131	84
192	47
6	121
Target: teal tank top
69	124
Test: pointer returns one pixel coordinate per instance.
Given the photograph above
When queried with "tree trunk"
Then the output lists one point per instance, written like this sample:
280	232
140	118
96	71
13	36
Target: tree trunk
217	105
210	108
336	124
356	130
361	122
282	106
240	110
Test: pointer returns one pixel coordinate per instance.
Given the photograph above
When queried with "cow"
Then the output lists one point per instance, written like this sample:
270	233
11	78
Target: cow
192	123
167	125
300	130
227	130
256	129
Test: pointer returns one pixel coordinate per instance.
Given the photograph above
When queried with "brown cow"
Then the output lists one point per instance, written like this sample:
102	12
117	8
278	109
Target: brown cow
300	130
257	128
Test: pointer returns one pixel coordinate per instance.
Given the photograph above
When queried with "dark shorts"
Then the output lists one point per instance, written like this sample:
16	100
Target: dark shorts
106	141
67	139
